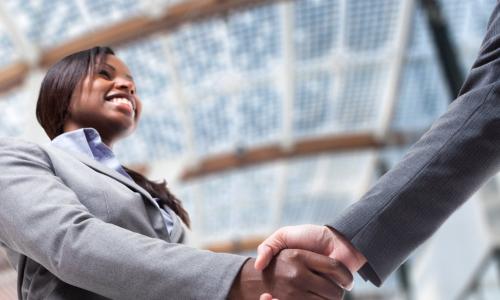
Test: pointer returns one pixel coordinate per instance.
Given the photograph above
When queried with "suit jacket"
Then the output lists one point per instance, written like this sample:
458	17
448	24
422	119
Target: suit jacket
439	173
75	229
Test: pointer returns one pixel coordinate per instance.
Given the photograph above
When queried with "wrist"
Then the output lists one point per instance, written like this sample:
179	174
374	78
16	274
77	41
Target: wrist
248	283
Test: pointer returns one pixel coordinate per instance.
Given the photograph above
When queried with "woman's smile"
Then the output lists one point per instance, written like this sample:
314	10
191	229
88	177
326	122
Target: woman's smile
123	102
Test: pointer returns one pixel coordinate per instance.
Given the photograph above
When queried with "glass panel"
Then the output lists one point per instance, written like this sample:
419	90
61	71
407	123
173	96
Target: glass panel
314	103
370	26
260	112
360	99
316	28
46	22
254	38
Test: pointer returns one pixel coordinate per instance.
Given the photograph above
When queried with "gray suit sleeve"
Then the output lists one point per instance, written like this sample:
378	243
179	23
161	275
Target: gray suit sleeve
438	174
43	219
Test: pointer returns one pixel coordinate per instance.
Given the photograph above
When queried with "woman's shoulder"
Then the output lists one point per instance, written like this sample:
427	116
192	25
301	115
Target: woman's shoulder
19	143
17	148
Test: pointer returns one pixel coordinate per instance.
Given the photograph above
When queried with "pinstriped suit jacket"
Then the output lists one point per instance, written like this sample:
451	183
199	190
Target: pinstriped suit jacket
75	229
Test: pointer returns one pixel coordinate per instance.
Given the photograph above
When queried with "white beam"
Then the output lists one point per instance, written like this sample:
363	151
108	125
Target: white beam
338	59
190	158
287	78
396	59
182	104
341	39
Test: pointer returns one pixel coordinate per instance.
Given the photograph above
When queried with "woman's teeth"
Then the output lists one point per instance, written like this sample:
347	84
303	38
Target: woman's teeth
123	100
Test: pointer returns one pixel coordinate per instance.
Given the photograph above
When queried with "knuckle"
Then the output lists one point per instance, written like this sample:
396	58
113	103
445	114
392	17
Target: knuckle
293	253
293	275
282	230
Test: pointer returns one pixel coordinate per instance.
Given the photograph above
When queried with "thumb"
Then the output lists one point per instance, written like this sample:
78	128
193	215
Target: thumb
268	248
264	256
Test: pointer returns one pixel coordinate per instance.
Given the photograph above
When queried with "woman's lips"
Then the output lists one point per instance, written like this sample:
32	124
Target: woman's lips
123	103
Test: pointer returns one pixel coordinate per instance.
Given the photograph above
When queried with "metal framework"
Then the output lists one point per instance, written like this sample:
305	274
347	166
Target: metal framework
285	148
129	30
245	157
448	57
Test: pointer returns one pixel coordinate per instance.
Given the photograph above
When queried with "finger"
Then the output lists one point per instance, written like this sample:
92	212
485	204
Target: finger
323	288
269	248
313	296
330	268
266	296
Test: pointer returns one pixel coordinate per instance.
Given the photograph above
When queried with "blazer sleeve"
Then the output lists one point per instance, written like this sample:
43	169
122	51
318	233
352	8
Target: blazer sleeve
439	173
43	219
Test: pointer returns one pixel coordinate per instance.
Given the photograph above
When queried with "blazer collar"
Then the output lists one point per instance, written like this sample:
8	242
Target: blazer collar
108	171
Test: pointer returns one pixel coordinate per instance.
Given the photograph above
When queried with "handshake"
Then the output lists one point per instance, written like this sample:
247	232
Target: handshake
299	262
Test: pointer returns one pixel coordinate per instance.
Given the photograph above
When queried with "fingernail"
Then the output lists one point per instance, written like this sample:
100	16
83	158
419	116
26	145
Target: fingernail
349	287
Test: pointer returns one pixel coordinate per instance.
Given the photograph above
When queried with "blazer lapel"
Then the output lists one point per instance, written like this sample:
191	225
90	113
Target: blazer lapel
109	172
158	222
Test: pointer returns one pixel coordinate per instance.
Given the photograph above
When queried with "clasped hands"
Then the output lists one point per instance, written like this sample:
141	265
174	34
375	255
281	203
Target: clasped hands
310	262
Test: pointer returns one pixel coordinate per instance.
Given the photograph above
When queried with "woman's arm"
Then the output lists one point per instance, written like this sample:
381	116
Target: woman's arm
44	220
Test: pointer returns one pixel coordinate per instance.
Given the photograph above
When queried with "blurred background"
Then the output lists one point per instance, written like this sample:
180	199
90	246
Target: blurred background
263	113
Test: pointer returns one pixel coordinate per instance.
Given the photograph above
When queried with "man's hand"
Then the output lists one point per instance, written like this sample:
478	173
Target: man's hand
293	274
319	239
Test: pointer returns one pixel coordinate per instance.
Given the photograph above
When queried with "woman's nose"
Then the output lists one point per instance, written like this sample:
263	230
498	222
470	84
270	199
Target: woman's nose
124	84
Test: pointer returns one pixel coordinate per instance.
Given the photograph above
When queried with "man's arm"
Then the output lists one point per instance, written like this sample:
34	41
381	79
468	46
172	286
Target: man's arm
439	173
40	217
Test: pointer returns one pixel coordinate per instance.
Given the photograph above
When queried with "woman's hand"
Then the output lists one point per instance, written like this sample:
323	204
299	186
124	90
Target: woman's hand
293	274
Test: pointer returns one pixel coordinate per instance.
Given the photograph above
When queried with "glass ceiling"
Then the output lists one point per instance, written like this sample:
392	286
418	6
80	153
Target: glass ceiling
268	75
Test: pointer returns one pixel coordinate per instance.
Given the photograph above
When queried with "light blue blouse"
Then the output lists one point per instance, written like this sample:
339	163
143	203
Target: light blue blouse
87	141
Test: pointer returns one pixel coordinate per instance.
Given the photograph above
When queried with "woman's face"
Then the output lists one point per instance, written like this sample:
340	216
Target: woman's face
106	101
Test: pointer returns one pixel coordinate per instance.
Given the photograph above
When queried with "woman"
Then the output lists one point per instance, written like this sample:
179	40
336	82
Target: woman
78	225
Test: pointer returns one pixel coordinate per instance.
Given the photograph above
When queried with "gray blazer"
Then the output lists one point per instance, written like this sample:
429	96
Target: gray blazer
439	173
75	229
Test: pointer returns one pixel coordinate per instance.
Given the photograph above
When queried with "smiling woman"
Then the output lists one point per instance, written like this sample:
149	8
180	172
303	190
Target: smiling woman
104	99
76	224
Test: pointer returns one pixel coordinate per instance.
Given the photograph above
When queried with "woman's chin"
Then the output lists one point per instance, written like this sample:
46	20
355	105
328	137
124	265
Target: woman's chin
119	128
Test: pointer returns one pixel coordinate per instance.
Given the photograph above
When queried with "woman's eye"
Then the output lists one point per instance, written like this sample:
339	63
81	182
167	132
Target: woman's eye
105	74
